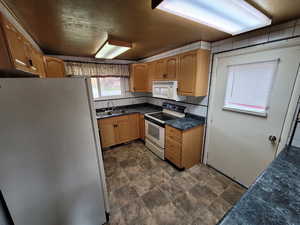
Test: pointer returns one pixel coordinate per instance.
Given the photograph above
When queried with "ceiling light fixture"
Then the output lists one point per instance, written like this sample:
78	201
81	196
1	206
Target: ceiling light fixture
112	49
231	16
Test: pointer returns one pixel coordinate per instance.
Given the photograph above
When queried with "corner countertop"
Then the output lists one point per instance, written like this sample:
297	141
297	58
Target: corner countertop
131	109
188	122
274	198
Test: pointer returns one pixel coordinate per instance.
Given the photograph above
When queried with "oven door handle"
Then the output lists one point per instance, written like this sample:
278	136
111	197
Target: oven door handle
157	123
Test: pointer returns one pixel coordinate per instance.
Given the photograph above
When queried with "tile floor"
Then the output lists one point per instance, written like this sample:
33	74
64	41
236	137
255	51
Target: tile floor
144	190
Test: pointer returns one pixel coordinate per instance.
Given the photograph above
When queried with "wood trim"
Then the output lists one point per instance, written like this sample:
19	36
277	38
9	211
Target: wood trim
119	43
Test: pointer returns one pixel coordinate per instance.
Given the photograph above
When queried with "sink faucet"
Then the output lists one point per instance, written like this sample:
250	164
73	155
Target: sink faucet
110	105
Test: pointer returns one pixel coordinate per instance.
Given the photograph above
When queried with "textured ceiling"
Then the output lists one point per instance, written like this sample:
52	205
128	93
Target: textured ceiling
79	27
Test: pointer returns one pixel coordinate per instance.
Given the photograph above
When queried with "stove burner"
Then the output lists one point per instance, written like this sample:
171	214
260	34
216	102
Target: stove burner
163	116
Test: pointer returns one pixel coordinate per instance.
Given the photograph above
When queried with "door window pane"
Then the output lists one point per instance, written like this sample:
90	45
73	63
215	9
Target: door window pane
249	87
110	86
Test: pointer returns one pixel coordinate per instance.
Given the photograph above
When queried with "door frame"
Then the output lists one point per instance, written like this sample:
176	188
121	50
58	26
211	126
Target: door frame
293	100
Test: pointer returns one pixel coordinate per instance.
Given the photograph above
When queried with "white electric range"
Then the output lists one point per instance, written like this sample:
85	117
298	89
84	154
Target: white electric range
155	127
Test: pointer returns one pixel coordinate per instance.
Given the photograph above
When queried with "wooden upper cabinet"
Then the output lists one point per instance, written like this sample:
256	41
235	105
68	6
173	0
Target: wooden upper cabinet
16	46
38	63
5	60
171	68
151	72
54	67
190	69
187	73
193	73
139	77
160	70
16	51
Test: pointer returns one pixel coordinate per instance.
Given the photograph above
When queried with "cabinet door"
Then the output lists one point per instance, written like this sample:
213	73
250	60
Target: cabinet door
5	62
160	69
171	68
54	67
124	133
142	127
139	79
107	132
187	73
151	76
38	61
31	58
16	47
134	121
173	152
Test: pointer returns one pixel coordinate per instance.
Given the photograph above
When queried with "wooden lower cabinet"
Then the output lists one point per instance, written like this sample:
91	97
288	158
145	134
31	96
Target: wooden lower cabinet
118	130
107	132
184	148
142	127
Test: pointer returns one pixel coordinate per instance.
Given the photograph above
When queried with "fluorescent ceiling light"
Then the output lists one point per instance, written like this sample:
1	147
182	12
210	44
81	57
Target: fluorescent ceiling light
112	49
231	16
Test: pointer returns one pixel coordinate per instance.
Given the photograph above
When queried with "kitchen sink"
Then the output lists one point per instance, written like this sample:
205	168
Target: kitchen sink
111	112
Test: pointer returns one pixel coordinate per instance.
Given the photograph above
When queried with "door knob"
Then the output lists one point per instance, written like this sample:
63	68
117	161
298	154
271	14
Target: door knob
272	139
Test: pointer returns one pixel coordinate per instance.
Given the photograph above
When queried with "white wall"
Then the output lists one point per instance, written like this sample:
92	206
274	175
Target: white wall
278	32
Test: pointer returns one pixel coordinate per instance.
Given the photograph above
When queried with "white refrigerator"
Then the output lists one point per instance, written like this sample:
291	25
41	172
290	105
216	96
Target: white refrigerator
51	166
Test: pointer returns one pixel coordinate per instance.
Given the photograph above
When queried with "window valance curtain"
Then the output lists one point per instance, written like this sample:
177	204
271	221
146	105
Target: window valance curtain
97	70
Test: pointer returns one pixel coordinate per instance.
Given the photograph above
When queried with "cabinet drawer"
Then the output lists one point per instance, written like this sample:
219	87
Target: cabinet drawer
174	160
122	118
173	133
173	151
173	147
107	121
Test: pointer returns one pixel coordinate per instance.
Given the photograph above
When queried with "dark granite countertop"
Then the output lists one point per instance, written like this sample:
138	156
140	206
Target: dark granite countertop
130	109
185	123
274	198
188	122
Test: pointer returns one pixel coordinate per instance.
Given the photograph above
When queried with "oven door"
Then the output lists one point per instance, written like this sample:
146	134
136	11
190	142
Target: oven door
155	133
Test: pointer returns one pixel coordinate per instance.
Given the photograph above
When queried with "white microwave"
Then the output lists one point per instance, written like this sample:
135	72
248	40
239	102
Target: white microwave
165	89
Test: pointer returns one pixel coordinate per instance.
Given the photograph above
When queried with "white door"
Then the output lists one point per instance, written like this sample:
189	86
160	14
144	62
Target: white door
250	95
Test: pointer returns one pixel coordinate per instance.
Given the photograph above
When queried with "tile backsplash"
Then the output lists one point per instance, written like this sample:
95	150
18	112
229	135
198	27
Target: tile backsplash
194	105
200	109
